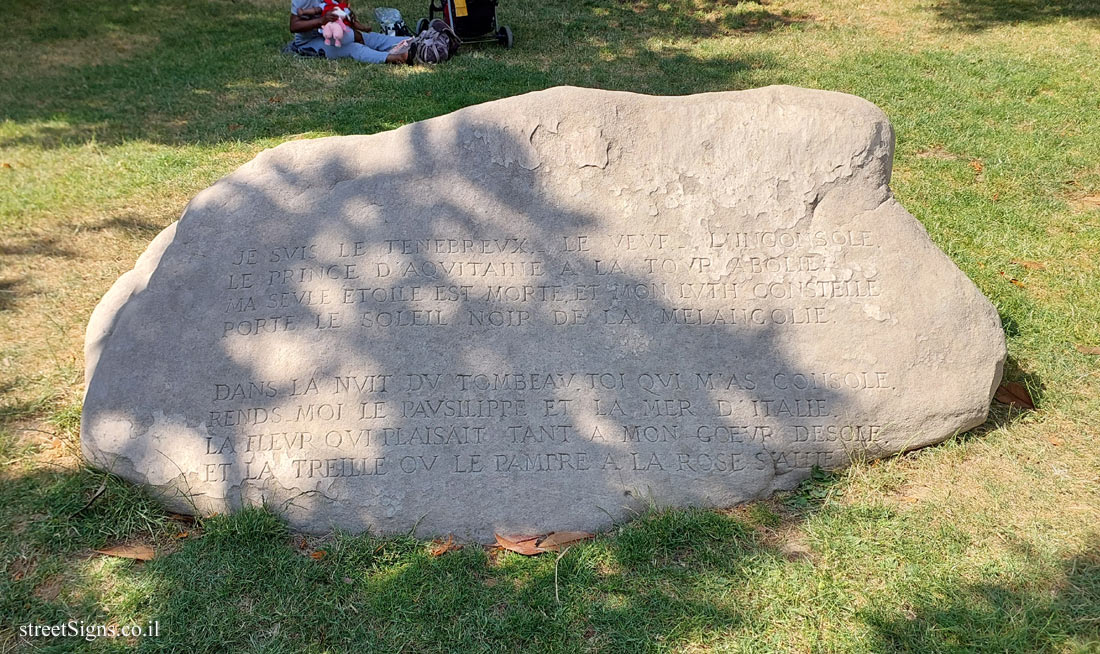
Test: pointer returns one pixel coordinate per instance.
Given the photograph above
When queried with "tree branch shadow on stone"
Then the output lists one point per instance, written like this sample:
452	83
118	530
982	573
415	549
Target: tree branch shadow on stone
544	225
521	211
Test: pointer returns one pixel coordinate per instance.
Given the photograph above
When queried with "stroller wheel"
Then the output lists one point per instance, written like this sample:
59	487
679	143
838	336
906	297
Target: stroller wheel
504	36
421	25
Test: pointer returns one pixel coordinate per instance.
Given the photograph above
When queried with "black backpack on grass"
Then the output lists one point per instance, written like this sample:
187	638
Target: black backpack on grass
437	43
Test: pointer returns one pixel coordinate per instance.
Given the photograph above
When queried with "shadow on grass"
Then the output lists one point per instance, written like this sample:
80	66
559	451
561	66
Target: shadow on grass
701	19
132	224
9	288
42	246
246	583
59	246
47	533
620	594
984	14
666	581
1002	616
179	73
1004	415
1013	372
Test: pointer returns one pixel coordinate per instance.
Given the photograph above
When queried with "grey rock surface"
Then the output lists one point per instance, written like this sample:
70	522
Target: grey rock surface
542	313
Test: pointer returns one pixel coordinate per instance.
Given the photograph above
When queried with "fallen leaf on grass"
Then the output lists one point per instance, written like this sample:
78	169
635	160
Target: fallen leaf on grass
318	555
7	165
181	535
1013	280
558	539
527	546
441	547
1014	394
552	542
977	165
275	99
1030	265
138	552
1088	349
1054	440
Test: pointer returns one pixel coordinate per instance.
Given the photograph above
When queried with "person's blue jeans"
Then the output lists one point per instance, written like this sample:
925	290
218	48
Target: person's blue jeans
374	48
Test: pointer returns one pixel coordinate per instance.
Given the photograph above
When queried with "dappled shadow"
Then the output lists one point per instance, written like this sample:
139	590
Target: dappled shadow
38	246
692	17
669	581
147	71
17	413
243	583
407	192
1004	415
9	288
983	14
53	516
131	224
35	245
28	245
1000	616
171	73
657	371
1015	373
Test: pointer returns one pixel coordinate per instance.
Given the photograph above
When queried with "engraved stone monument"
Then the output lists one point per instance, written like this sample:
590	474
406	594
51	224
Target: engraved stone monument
541	313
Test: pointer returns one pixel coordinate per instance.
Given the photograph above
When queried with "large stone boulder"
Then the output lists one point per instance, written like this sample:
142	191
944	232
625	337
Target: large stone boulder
541	313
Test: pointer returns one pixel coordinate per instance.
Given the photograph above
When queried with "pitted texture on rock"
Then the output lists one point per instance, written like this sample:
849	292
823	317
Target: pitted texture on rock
541	313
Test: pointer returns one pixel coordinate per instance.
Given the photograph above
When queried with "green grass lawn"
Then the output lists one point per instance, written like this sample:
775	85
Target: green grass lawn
112	115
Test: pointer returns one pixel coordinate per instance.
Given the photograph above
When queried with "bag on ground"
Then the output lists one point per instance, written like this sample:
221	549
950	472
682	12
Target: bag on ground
437	43
390	21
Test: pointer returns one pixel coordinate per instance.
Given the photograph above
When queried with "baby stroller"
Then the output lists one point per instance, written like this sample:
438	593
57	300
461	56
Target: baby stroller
475	21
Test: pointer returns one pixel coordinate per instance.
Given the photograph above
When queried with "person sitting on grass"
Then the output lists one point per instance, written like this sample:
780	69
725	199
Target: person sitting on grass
307	17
